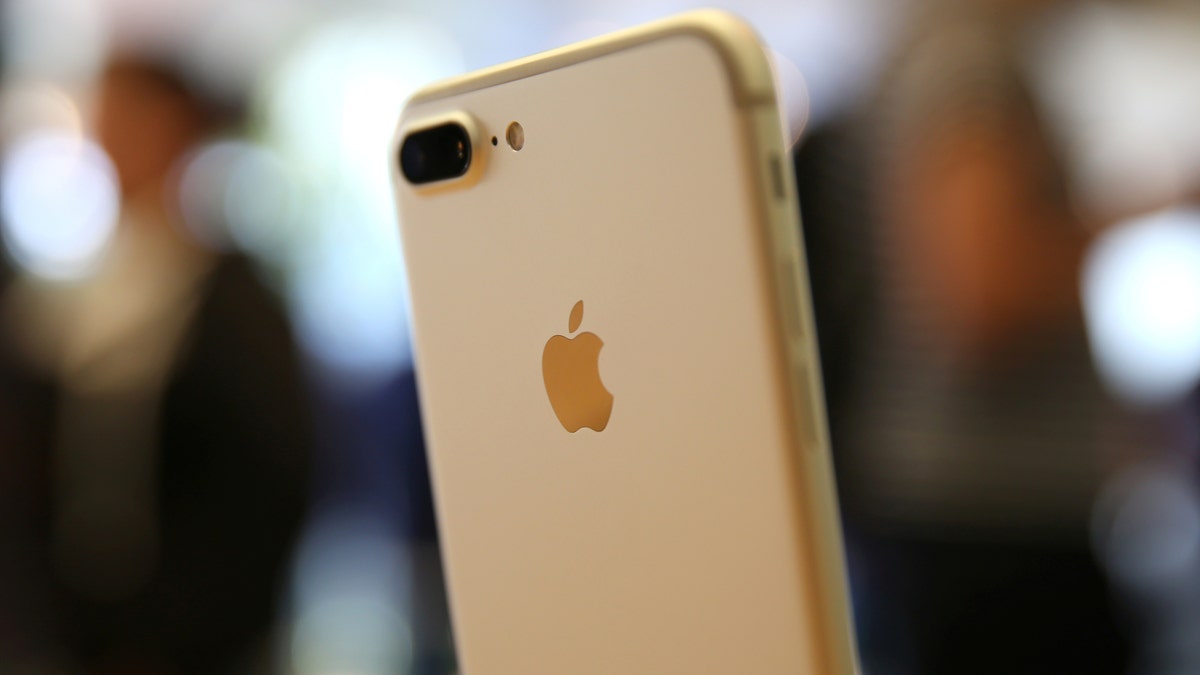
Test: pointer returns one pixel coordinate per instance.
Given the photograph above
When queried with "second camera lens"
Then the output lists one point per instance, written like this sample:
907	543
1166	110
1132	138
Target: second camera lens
434	154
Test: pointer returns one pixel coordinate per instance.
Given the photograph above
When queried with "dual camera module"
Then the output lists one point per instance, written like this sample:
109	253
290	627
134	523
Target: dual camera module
444	151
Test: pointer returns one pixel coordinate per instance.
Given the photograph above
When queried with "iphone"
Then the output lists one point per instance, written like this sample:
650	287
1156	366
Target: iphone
617	363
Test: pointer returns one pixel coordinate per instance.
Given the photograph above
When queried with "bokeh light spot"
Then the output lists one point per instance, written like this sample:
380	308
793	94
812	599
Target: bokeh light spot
59	204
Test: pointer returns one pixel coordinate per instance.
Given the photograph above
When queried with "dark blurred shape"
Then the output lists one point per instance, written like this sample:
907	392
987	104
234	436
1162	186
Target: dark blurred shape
148	117
165	441
970	430
373	466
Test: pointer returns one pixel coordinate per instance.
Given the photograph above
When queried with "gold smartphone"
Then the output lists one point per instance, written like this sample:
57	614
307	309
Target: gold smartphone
617	363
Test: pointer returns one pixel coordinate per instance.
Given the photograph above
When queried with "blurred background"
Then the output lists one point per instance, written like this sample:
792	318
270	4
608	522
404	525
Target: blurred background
210	450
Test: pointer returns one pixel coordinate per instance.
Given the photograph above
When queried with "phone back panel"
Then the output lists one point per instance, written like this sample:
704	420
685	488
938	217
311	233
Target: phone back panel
683	538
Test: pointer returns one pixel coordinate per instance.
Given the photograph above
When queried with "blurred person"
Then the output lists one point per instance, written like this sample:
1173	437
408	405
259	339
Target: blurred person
162	502
971	430
26	425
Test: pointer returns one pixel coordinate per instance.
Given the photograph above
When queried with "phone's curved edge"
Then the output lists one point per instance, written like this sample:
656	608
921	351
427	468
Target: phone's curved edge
784	248
751	75
737	44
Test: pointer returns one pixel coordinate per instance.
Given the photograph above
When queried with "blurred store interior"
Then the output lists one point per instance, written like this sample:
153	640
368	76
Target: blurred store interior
210	448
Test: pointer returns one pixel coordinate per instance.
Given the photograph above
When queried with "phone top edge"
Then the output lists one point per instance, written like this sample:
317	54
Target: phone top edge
736	43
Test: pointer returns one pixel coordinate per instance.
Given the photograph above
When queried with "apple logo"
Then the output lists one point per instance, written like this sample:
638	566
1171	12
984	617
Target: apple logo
571	371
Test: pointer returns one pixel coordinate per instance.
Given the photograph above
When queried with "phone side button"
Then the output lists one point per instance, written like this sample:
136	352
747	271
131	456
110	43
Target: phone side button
802	400
789	282
775	170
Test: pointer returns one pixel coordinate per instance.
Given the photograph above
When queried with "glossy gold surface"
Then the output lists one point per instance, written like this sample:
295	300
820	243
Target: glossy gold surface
694	529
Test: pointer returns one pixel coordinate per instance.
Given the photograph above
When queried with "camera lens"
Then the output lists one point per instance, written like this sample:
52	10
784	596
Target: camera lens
434	154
